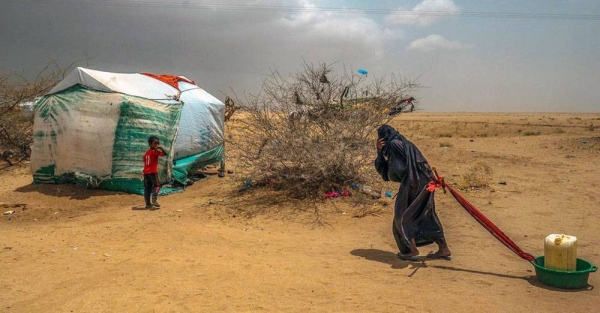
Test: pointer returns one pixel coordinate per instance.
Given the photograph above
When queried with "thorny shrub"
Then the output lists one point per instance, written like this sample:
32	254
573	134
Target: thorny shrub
315	131
17	93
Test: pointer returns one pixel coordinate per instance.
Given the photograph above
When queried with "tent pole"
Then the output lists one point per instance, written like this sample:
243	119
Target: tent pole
222	167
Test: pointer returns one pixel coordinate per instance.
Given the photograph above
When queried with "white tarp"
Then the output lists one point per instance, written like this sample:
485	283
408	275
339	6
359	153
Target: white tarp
95	125
138	85
201	123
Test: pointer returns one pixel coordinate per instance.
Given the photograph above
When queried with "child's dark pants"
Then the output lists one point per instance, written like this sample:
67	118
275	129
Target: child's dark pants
151	187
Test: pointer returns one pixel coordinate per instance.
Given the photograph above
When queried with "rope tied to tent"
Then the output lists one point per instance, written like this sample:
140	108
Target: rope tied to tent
439	182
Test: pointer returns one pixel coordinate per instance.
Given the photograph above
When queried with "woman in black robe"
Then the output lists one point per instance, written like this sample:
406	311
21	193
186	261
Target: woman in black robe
415	221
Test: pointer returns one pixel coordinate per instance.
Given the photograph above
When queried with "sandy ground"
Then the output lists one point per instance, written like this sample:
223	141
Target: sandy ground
209	249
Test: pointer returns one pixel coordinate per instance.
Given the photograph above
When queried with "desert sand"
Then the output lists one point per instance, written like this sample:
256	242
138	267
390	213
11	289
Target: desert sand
212	249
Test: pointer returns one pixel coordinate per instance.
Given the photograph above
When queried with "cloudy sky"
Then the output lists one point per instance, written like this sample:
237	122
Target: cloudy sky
471	55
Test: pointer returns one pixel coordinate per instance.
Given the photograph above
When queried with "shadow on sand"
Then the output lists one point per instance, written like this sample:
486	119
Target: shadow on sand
530	279
66	190
391	258
143	208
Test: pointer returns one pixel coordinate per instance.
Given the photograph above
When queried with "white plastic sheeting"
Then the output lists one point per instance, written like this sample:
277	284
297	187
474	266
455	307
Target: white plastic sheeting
201	123
138	85
97	132
77	140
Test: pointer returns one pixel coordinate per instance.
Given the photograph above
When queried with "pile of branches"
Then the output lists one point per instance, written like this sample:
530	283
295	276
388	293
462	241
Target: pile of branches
315	131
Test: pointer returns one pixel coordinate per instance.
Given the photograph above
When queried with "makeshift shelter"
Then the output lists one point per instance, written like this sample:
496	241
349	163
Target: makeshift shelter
92	129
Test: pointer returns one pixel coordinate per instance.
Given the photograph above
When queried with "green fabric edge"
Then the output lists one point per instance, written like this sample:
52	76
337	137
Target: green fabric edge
186	167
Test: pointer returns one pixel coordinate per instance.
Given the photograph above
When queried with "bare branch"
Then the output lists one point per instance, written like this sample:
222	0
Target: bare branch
15	90
314	131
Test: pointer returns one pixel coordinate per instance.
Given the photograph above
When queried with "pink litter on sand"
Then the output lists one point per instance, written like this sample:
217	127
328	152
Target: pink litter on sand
331	195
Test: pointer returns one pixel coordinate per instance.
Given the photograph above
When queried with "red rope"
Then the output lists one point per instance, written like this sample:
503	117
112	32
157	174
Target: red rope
484	221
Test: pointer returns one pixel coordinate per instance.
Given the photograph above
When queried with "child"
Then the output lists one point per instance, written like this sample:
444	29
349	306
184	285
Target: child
151	185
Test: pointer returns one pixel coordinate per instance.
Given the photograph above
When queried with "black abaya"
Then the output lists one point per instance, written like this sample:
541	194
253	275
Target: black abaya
414	216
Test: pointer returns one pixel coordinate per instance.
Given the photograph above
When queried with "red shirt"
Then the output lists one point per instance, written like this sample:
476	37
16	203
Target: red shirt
151	161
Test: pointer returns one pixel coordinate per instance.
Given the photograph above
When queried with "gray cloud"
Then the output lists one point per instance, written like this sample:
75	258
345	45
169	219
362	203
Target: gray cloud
549	65
217	47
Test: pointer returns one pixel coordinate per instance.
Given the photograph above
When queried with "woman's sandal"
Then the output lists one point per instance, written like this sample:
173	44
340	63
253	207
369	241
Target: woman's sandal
407	257
437	256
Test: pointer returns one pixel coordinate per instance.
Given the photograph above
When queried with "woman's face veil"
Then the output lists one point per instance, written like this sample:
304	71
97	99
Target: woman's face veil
386	132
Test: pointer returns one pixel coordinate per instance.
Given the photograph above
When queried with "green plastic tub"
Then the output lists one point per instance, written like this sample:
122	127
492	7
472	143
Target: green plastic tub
564	279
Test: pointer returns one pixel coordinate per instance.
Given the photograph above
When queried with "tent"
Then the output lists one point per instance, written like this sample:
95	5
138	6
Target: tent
92	129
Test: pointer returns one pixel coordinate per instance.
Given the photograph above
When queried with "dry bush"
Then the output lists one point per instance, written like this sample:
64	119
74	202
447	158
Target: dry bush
315	131
17	94
16	129
230	108
478	176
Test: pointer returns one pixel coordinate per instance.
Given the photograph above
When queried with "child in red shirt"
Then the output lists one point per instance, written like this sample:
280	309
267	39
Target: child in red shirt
151	185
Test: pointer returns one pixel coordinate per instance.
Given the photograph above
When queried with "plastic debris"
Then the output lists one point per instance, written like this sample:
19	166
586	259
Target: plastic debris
339	193
331	195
